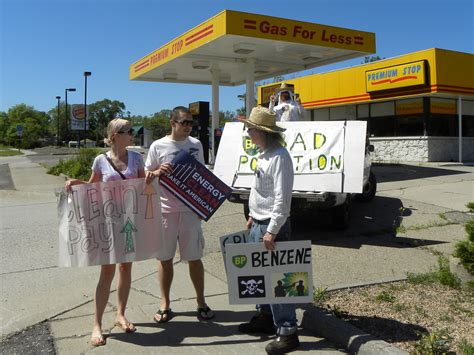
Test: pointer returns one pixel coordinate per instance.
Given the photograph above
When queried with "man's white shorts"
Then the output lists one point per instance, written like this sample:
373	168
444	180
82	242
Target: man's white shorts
183	228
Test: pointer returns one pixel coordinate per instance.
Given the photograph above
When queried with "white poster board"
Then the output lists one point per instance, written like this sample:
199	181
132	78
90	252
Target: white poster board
256	275
110	222
327	156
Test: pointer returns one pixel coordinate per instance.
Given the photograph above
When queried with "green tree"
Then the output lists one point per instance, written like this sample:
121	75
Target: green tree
101	113
137	120
372	58
4	124
35	124
63	127
225	116
158	124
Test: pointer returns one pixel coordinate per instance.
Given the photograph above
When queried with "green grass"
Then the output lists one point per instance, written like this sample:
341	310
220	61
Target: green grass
8	152
442	275
470	205
418	227
399	307
434	343
465	348
320	294
385	296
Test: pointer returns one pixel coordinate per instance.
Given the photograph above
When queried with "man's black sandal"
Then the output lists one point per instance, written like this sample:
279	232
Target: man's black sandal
165	315
205	313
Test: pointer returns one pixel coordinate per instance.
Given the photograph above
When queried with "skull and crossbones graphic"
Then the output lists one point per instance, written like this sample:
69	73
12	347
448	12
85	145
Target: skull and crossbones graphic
252	287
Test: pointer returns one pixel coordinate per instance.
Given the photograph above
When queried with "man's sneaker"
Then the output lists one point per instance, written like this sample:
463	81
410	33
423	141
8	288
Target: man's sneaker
283	344
260	323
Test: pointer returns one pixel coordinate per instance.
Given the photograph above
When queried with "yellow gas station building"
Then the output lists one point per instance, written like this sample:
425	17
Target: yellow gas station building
419	106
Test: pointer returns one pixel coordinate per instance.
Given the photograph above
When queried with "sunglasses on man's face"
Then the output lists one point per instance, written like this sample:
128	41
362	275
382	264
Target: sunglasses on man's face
186	123
130	131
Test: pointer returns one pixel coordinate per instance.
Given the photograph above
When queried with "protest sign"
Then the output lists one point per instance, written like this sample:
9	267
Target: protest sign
109	222
313	149
256	275
195	185
327	156
233	238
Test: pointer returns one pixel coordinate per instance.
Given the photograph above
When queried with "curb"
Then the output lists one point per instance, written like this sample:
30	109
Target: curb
344	334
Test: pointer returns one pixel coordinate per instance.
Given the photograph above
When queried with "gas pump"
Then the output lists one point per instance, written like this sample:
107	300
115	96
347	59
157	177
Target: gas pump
200	112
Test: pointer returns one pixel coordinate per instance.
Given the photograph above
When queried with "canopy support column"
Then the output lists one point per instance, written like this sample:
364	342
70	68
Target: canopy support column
250	85
215	109
460	128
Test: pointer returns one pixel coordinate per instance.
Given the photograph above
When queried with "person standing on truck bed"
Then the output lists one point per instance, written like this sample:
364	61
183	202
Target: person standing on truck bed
289	106
269	204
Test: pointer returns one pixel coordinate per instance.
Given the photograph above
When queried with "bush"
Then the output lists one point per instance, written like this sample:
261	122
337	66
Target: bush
435	343
464	250
78	167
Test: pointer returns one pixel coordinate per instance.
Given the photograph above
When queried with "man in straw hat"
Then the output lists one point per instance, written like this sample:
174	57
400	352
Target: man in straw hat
269	204
289	107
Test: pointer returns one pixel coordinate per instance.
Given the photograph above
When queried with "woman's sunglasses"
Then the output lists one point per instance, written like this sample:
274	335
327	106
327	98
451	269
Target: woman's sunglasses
130	131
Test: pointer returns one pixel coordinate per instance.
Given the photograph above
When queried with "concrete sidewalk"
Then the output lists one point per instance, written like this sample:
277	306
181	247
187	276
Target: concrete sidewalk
64	297
33	289
183	334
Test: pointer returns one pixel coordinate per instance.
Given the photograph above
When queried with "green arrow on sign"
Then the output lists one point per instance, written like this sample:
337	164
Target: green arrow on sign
128	228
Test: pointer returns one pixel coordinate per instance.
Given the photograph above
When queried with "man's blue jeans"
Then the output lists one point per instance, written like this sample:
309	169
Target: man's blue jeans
284	315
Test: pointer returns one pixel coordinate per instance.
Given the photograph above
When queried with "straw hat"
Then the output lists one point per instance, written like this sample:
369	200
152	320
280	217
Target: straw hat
263	119
284	87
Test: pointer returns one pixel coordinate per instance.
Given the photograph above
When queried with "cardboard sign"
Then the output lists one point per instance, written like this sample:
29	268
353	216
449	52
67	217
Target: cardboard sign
256	275
195	185
233	238
315	150
327	156
109	222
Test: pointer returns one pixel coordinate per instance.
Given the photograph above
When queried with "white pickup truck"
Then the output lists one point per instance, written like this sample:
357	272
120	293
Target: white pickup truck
331	162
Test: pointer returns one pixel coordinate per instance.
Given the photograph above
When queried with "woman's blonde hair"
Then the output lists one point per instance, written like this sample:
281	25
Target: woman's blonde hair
117	124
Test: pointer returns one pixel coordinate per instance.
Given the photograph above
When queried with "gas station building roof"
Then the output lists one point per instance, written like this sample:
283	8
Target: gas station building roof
228	40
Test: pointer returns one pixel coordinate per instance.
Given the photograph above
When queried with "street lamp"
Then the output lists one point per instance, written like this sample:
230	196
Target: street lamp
67	111
57	138
86	74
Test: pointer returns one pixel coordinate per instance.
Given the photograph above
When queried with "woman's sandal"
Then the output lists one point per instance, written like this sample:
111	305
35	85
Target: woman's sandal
98	340
205	313
164	314
126	327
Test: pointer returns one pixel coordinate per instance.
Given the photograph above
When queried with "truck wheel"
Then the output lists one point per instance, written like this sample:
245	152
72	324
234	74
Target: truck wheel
369	190
246	210
341	215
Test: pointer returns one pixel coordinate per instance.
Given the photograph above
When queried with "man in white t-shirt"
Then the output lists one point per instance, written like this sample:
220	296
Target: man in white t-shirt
180	224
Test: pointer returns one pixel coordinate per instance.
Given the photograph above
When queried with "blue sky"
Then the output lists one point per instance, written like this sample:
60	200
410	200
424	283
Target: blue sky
46	45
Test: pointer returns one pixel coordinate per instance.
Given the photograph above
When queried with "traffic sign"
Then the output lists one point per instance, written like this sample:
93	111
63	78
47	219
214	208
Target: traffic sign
19	130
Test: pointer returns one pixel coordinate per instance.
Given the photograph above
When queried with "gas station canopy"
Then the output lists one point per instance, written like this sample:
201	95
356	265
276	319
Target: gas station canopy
232	43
